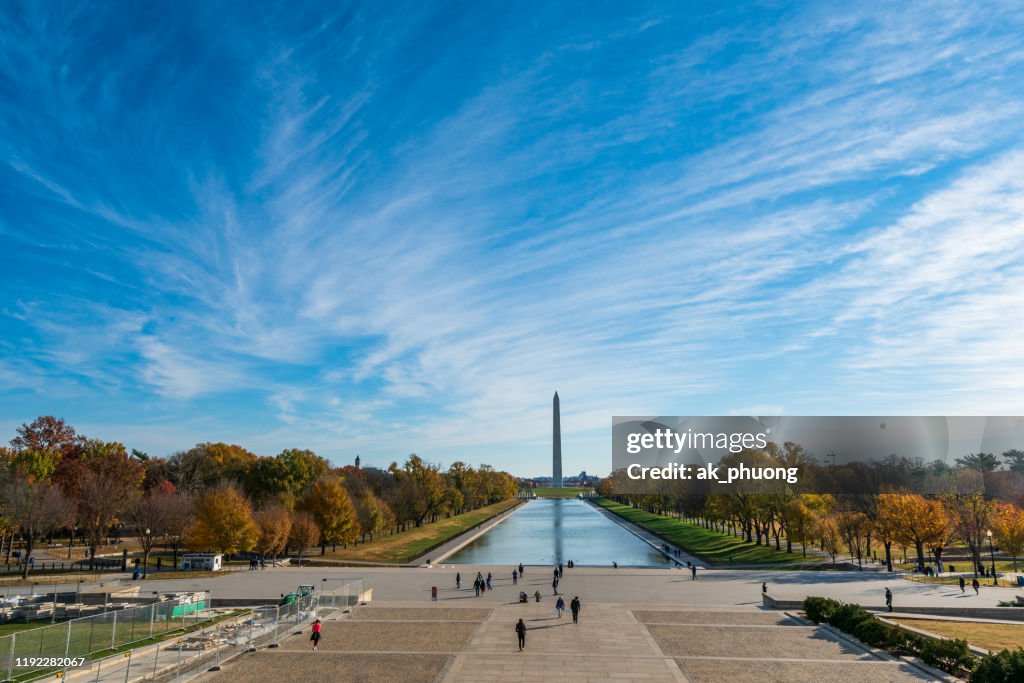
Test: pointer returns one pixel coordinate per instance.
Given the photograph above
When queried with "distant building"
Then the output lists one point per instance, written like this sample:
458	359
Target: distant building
357	462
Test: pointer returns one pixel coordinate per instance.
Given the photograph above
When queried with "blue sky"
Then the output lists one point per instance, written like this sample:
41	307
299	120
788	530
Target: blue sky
391	228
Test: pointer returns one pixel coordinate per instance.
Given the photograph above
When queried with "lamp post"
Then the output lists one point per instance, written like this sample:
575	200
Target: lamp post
992	556
145	564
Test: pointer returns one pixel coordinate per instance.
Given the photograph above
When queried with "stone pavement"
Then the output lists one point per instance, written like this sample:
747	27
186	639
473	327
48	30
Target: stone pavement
401	642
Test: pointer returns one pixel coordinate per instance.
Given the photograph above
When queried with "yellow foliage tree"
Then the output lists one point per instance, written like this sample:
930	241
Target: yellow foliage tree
1008	530
331	507
223	521
915	520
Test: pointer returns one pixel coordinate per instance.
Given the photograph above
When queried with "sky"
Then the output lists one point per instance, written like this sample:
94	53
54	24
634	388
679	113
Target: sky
391	228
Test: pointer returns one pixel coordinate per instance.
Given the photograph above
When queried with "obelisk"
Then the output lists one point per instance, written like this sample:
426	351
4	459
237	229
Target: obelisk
556	447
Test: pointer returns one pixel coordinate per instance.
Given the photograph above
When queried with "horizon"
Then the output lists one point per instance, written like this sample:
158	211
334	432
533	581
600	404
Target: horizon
384	231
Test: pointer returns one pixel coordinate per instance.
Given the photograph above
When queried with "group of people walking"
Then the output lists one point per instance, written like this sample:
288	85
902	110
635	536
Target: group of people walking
574	607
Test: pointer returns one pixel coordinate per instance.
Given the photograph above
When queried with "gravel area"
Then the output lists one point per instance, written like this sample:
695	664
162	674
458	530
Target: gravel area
274	667
717	670
394	636
712	618
421	613
752	641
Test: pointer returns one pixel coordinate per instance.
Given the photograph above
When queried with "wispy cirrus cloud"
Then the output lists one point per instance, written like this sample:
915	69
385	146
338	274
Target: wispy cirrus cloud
382	233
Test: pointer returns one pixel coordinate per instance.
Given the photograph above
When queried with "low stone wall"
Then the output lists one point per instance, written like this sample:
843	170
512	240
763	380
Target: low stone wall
1010	613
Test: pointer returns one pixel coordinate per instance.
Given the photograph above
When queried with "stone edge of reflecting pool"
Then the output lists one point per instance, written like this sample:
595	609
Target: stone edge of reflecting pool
548	530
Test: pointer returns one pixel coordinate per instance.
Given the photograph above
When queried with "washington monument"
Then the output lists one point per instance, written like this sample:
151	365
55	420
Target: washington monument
556	447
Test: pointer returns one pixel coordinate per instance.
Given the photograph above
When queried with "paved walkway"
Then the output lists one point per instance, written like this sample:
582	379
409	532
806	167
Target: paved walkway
404	642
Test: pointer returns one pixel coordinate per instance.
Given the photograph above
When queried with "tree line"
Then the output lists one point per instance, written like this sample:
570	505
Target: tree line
878	505
217	496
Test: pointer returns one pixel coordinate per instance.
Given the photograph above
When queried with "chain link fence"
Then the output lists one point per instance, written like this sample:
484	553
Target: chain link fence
30	654
185	655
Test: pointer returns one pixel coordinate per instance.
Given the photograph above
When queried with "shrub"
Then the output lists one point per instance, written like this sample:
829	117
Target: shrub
1005	667
848	616
873	631
948	655
820	609
903	641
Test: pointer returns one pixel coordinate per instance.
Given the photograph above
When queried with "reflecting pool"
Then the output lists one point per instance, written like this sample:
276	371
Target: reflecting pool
549	531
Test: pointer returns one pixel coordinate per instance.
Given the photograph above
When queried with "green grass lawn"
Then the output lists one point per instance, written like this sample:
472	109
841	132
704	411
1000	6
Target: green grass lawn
408	545
994	637
548	492
710	546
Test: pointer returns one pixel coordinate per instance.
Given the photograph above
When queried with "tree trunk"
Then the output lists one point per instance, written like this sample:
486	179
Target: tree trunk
920	553
888	555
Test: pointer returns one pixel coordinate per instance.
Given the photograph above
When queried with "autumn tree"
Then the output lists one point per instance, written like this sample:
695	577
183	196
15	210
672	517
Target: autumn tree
305	533
971	515
918	521
273	525
374	514
108	483
328	502
1008	530
223	521
49	434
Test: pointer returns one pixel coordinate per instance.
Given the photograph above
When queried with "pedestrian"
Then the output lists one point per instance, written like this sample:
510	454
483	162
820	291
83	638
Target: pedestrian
574	607
963	584
559	606
476	587
515	577
888	598
615	565
556	572
554	585
521	633
764	587
561	570
536	595
458	580
489	587
315	635
975	585
693	572
521	570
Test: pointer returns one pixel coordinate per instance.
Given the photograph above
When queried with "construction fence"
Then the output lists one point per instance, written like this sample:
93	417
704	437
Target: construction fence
194	642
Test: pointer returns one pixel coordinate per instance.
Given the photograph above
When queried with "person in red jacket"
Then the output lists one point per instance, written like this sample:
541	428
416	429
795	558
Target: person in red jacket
315	636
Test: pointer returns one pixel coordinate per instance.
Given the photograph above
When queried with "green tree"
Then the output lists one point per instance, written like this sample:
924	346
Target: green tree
984	462
1014	459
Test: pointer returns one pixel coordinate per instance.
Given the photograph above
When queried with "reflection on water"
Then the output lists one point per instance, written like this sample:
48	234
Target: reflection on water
558	530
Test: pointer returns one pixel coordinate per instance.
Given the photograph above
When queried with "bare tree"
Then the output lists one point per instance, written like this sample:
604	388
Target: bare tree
36	509
150	515
180	513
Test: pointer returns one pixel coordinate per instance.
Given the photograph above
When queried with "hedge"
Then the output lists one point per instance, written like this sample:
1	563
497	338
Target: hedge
1005	667
949	655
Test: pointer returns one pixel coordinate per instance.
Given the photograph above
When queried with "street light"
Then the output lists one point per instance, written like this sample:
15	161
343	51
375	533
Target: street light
992	555
145	566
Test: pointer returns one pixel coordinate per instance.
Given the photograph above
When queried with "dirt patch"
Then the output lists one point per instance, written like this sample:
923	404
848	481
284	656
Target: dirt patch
421	613
754	642
391	636
274	667
714	618
715	670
